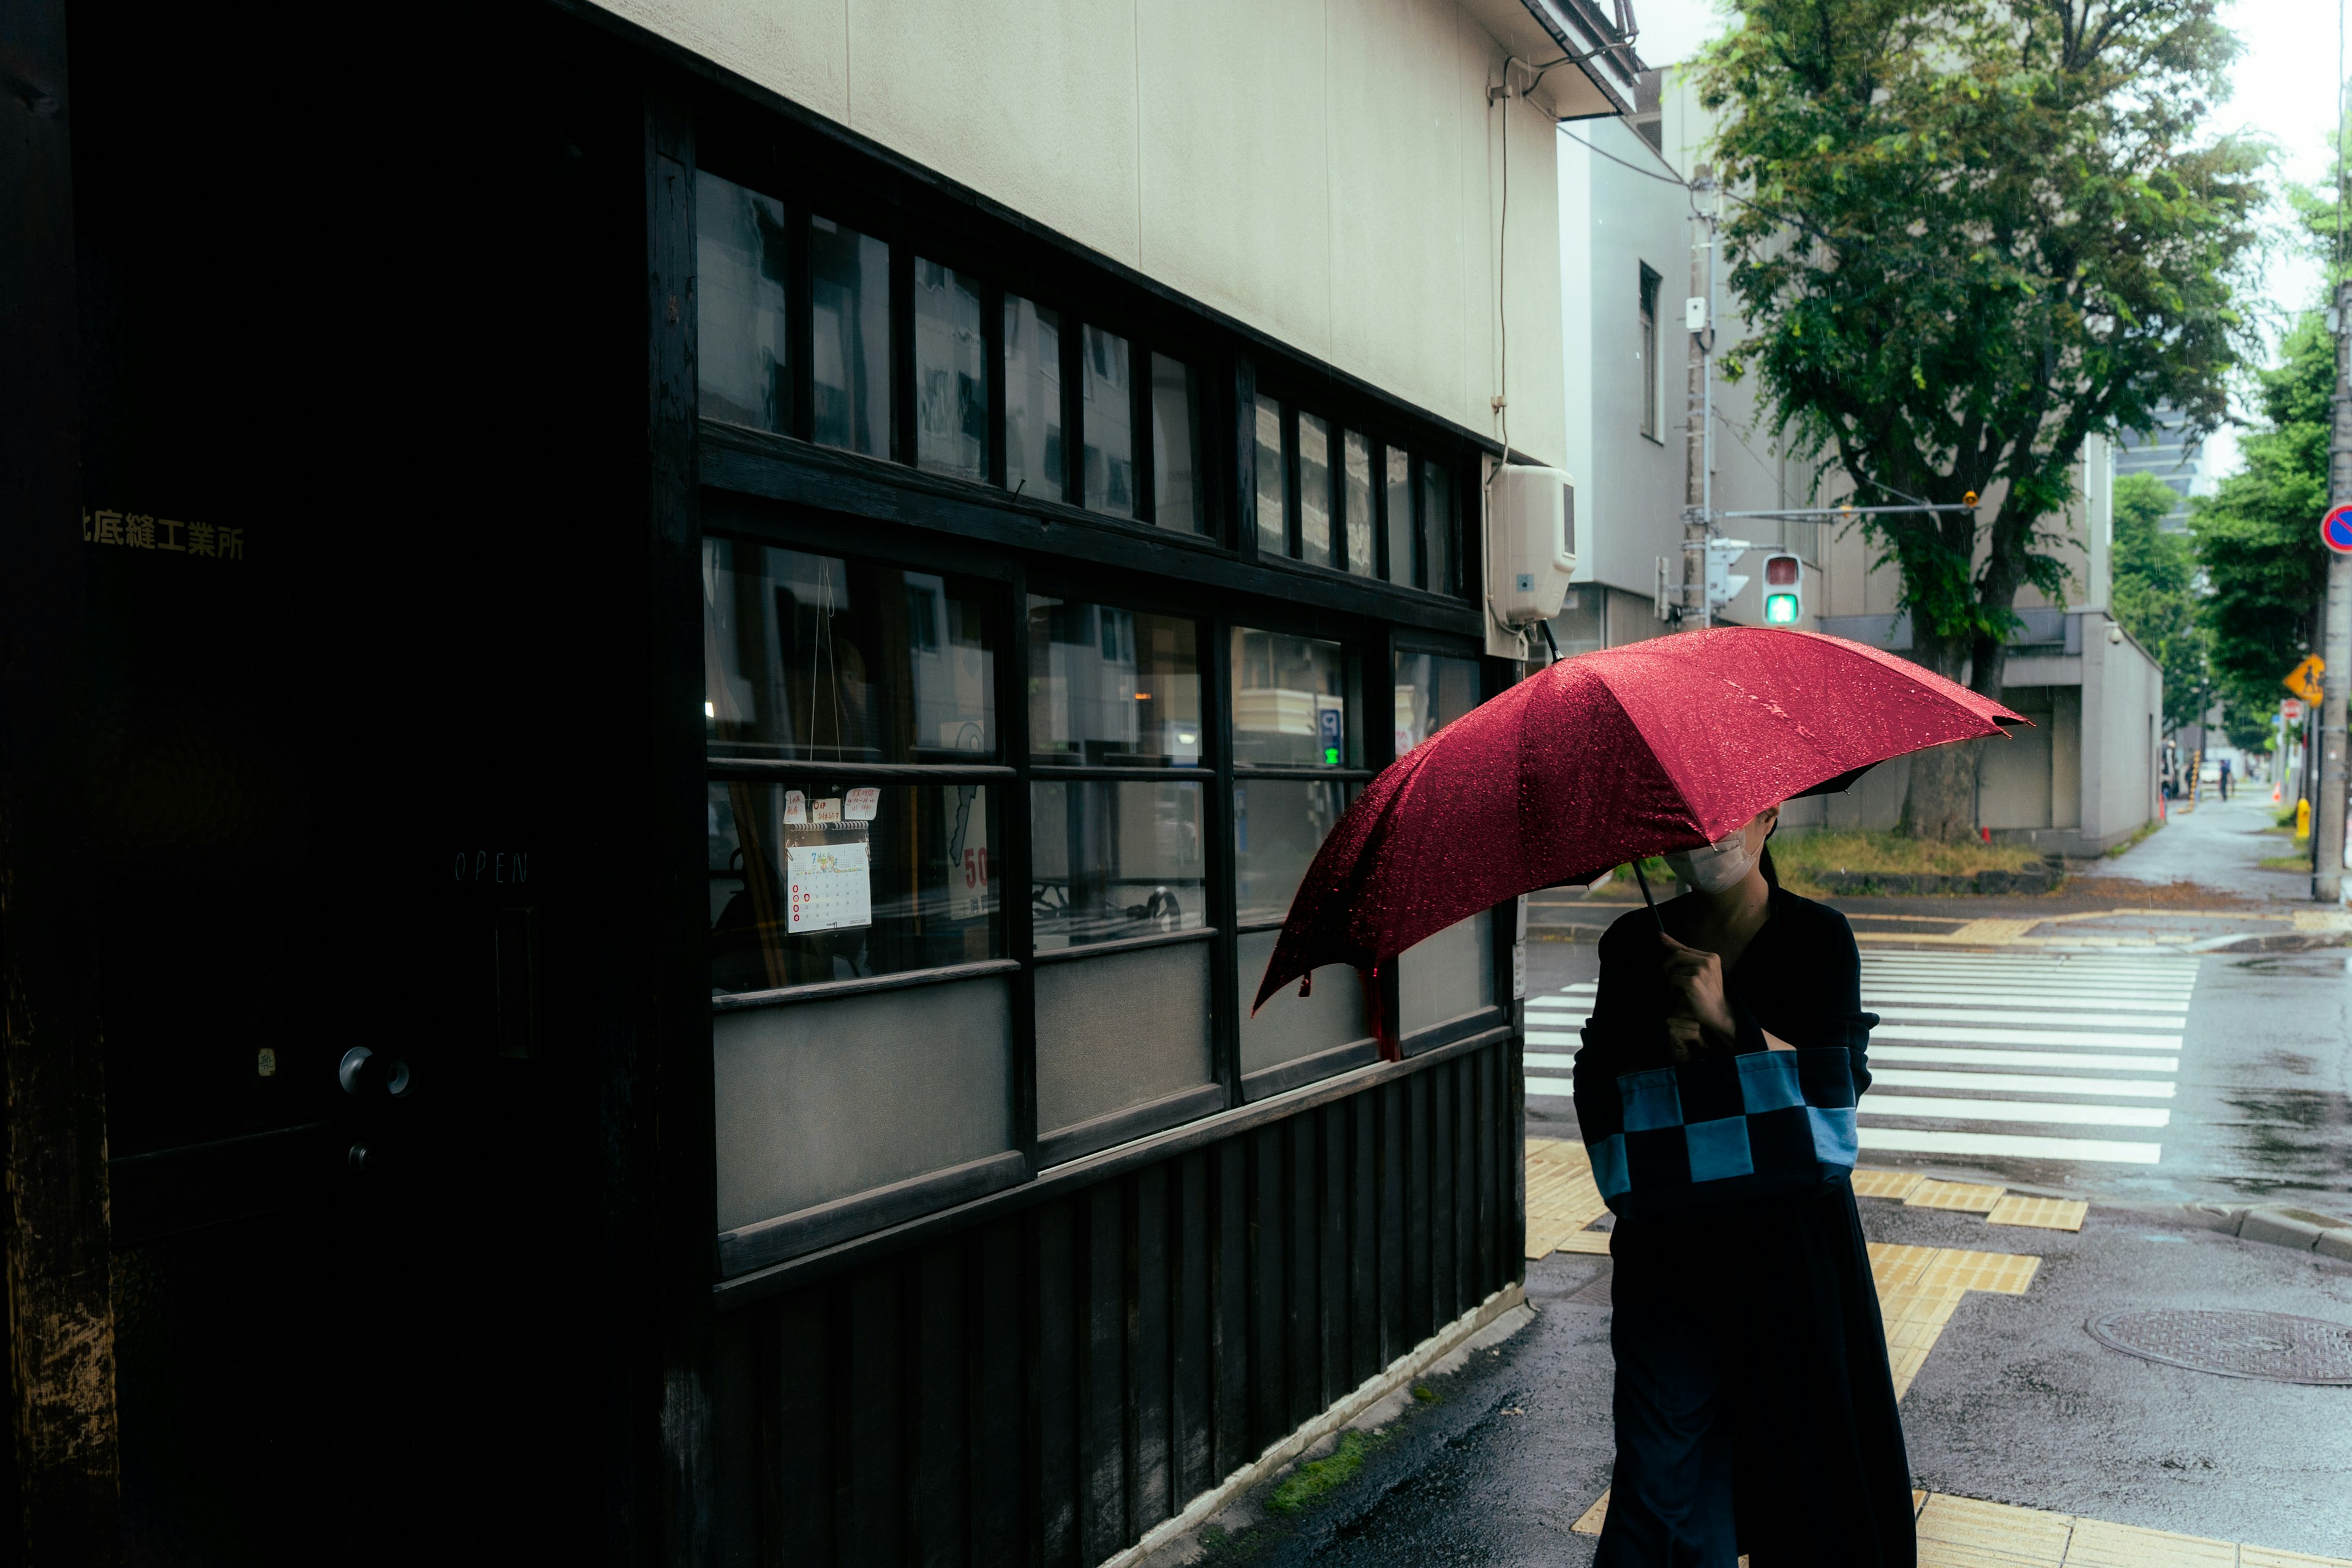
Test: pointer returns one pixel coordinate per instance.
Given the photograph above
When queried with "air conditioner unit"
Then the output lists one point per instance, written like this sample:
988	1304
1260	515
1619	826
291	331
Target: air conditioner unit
1531	544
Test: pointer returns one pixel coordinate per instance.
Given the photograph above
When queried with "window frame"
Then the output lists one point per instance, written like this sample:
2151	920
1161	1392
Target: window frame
1653	390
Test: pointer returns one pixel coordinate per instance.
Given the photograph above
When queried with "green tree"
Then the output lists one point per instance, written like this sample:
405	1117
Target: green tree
2154	593
1970	237
2257	535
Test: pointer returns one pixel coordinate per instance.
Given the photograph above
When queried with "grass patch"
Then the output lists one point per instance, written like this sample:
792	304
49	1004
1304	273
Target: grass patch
2283	818
1804	858
2284	862
2150	825
1426	1394
1311	1483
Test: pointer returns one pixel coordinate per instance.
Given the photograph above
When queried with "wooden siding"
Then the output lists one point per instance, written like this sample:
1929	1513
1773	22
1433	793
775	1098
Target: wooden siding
1046	1386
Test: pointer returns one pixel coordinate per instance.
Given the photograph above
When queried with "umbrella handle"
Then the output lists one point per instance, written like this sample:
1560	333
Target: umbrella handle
1655	918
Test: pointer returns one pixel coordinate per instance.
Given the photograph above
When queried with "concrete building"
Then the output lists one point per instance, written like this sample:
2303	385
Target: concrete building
2084	777
2166	453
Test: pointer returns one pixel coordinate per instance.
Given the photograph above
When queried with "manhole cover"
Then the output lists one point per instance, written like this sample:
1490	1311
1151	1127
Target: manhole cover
2268	1345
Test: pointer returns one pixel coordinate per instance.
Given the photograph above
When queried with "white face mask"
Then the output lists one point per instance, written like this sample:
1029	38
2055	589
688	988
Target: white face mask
1719	866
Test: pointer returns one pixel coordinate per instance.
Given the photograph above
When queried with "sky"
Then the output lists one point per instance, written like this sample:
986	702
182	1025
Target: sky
2283	89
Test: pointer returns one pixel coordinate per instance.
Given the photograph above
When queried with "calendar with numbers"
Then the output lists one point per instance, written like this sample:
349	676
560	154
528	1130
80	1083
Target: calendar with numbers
826	887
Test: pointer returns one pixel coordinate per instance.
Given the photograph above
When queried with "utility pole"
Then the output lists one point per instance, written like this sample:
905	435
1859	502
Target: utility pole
1698	318
2335	681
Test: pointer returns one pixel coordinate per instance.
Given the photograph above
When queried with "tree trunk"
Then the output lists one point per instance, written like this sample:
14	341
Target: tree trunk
1941	801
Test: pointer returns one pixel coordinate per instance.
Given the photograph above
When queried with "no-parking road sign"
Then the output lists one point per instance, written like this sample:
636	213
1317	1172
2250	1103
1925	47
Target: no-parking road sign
2335	529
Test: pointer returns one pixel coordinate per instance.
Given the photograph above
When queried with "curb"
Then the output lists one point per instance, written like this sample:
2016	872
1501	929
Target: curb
2278	1225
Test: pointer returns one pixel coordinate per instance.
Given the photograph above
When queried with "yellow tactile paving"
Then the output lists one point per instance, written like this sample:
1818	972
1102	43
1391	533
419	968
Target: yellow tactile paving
1895	1184
2098	1545
1596	1241
1964	1196
2045	1214
2003	1273
2263	1557
1961	1533
1590	1522
1893	1263
1561	1197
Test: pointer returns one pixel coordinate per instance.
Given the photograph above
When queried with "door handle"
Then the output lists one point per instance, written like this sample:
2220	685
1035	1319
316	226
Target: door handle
364	1072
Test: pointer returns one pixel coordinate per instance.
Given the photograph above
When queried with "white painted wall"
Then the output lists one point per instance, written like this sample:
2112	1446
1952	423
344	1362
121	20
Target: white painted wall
1329	172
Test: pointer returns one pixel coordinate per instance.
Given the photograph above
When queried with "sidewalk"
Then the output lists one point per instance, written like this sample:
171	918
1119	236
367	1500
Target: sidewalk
2033	1444
2216	845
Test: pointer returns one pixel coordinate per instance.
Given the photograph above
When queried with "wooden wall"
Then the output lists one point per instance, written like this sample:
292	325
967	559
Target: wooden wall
1049	1383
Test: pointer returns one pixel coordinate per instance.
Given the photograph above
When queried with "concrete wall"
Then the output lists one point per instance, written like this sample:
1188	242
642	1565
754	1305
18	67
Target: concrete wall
1329	172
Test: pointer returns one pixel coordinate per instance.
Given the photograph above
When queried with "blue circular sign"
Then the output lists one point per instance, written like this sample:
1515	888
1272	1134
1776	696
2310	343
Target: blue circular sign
2335	529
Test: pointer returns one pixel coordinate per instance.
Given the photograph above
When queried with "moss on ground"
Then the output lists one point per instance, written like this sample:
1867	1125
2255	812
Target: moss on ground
1311	1482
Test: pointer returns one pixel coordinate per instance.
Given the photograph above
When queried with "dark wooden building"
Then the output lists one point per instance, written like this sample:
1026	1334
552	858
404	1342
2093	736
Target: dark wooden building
650	749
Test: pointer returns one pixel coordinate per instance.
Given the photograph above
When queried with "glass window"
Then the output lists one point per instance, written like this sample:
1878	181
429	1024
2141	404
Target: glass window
1121	1030
1579	627
1315	491
1646	353
824	879
837	660
1290	701
1356	500
1178	498
1403	568
1437	528
1431	691
742	299
1447	975
1033	399
849	298
951	373
1290	1025
1109	424
1113	860
1273	525
1110	686
1278	824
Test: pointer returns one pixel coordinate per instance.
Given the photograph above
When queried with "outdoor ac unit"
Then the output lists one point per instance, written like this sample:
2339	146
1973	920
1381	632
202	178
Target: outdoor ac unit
1531	544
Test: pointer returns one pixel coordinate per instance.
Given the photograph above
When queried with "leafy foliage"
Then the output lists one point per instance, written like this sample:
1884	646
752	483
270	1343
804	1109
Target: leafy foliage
2257	535
1974	235
2154	593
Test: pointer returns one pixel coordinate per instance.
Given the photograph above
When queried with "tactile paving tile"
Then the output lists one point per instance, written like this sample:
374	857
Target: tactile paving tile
1895	1184
2261	1557
2002	1273
1966	1196
2098	1545
1594	1241
1961	1533
1561	1197
2045	1214
1893	1263
1589	1524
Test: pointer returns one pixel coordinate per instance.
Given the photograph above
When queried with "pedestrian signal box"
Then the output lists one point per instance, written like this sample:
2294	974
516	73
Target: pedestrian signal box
1784	590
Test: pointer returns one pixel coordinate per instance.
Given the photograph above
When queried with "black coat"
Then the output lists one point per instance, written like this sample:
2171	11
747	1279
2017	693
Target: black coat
1820	1473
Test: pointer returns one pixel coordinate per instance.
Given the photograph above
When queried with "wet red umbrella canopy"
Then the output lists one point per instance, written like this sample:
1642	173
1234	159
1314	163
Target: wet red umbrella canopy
1602	759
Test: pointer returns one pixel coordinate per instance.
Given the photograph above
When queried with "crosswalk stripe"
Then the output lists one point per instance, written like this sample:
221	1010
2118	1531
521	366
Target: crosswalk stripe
2134	1002
2006	1016
1554	1037
1557	1060
1988	1057
2015	1146
1561	1086
1949	1107
2022	1036
2012	1082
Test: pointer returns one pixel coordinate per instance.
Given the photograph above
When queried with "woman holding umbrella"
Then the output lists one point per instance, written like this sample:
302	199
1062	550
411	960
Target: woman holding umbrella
1755	1410
1717	1086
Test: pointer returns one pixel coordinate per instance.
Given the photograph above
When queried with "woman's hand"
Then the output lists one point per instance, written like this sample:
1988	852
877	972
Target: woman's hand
1696	976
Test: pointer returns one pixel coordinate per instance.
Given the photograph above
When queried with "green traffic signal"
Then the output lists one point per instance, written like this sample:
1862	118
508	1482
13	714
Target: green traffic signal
1781	609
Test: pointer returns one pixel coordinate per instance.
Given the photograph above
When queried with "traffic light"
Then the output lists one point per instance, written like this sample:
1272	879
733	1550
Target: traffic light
1784	590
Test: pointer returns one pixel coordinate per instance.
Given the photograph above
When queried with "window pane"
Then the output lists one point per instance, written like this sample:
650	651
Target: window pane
1273	527
1093	1057
1114	860
1447	975
816	657
1315	491
821	1099
1033	399
1356	495
1402	568
822	881
742	374
1178	500
1578	628
849	295
1290	701
1437	528
1648	354
1108	422
1290	1025
1278	824
951	373
1431	691
1112	685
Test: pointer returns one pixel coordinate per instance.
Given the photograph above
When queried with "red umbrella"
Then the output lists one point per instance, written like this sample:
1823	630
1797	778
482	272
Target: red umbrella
1602	759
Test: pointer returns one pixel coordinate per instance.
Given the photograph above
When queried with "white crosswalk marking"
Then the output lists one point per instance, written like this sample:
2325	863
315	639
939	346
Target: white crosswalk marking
1945	1058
